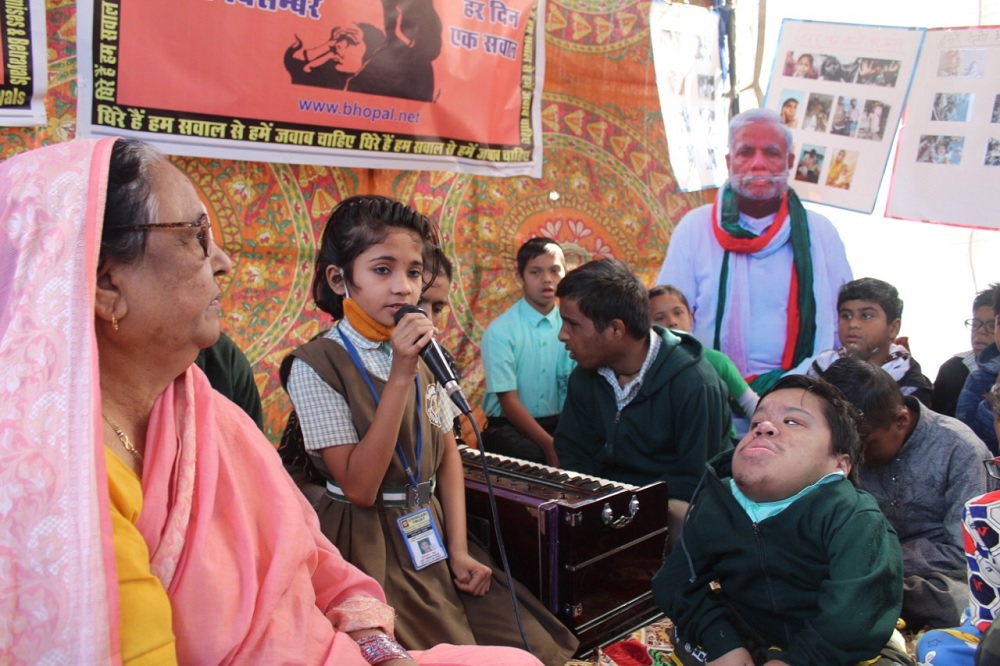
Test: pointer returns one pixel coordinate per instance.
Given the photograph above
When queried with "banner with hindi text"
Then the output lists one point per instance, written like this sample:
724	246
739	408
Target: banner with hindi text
398	84
23	65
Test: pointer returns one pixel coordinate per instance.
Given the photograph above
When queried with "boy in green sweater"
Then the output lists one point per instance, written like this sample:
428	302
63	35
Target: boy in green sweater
669	308
781	559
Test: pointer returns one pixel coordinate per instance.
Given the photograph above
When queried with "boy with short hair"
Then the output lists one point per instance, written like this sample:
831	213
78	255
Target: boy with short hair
921	467
953	372
781	559
669	308
870	314
973	408
527	368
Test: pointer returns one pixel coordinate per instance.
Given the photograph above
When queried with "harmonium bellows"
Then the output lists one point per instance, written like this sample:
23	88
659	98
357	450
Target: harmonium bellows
587	547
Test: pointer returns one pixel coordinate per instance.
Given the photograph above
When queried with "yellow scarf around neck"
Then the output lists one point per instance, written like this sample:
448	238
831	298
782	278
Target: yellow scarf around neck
364	324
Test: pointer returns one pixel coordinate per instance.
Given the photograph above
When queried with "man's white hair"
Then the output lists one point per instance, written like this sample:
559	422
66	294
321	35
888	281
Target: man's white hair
741	120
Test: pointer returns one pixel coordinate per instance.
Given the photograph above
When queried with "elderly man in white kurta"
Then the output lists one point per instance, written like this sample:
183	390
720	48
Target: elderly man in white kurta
760	271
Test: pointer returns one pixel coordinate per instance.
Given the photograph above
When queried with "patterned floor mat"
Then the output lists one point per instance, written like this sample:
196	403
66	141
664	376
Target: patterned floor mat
651	646
648	646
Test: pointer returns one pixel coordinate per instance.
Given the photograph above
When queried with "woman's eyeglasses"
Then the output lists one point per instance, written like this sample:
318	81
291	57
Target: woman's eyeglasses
975	324
202	223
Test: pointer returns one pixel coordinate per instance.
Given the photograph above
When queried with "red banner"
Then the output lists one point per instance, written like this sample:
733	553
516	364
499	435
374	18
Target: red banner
403	84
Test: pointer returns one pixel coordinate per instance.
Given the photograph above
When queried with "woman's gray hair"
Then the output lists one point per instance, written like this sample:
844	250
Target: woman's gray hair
741	120
130	200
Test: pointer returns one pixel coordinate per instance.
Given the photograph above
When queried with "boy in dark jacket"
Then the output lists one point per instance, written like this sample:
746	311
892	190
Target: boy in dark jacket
869	316
782	560
643	405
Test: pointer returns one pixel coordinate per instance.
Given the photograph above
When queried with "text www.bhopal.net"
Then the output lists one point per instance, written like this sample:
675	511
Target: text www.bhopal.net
354	110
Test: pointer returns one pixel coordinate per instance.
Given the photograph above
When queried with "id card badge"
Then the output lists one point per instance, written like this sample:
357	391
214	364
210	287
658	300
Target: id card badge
422	538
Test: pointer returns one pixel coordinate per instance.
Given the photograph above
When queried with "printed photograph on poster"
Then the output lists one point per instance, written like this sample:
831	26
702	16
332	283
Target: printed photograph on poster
789	111
952	107
992	153
689	80
841	171
951	137
809	163
940	149
355	83
839	88
23	63
962	62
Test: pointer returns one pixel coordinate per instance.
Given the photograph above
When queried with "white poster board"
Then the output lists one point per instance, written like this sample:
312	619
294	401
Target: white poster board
840	88
689	80
947	166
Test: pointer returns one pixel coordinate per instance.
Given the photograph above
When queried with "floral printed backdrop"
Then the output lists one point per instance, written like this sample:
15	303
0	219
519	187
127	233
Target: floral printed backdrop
607	190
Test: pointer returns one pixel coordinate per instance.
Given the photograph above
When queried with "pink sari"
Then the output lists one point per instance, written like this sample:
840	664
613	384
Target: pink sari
250	577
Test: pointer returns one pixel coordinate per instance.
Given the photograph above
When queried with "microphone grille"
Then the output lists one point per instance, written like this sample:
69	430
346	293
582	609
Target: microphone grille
405	310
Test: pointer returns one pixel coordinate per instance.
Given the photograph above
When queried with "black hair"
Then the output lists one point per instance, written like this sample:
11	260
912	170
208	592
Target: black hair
841	417
869	388
993	400
354	225
607	289
374	40
531	248
444	265
129	200
876	291
663	289
989	296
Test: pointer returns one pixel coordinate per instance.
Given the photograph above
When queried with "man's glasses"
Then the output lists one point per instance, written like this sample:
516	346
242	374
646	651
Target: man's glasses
204	236
975	324
993	467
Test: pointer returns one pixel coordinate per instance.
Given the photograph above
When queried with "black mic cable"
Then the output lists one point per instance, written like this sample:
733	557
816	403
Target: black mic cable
496	530
434	357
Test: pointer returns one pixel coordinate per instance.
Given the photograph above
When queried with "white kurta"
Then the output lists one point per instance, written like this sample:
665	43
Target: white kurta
694	261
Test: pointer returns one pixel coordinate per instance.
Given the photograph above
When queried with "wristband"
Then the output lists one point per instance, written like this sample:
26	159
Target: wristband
376	648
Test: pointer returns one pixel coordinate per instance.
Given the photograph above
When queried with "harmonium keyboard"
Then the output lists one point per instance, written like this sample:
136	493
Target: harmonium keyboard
587	547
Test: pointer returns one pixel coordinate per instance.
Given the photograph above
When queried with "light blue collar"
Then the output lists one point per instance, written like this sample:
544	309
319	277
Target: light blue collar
759	511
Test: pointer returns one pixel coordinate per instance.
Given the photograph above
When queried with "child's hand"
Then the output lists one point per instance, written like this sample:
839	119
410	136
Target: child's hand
411	335
471	577
737	657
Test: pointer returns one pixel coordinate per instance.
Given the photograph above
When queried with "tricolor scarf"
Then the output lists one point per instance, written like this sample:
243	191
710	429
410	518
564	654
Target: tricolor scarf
800	332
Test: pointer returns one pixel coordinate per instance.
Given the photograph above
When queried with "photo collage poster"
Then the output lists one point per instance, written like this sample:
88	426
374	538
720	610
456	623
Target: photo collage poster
685	41
23	65
840	89
947	166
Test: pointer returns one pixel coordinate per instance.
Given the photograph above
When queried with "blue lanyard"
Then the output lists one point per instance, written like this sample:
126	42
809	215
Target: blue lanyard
413	474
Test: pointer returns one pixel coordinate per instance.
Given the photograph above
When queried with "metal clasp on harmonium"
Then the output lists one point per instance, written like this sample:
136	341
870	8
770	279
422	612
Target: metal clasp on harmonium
419	495
608	515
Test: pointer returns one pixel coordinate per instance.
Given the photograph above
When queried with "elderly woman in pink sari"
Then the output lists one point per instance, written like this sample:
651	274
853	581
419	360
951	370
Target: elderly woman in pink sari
143	517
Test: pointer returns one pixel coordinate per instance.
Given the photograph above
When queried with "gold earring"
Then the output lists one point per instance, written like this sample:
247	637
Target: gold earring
114	321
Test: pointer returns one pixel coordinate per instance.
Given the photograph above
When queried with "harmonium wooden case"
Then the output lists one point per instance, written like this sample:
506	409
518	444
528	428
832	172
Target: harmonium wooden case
587	547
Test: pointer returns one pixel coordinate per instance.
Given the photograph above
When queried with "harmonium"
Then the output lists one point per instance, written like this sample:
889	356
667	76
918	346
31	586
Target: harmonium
587	547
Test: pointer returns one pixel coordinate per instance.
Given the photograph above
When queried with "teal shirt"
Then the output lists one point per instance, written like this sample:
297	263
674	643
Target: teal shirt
521	352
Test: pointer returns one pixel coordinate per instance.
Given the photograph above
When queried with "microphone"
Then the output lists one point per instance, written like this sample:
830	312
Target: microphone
434	357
